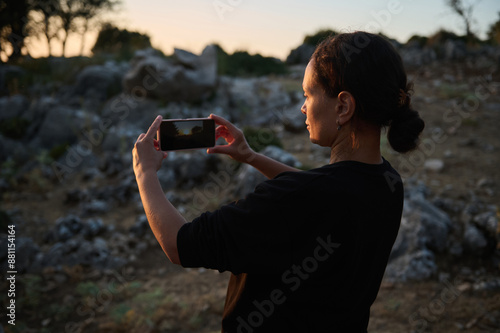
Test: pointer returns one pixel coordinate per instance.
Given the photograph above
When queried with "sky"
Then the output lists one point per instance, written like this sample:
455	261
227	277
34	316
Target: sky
273	28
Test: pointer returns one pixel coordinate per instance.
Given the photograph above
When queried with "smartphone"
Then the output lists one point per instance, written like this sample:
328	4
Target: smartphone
182	134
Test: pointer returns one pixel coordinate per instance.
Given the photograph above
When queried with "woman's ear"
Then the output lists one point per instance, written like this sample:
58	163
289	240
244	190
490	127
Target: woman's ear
345	107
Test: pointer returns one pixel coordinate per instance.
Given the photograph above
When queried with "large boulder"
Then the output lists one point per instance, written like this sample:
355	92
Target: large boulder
414	56
252	101
99	82
248	177
455	50
13	107
186	77
423	232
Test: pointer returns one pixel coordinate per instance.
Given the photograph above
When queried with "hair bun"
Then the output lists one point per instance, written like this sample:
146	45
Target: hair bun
405	129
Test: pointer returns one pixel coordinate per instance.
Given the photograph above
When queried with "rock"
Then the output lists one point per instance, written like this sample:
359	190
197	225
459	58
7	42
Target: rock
67	227
423	224
26	251
191	168
128	116
13	106
248	177
281	155
300	55
424	229
474	240
140	227
14	150
454	50
293	119
252	101
112	162
78	251
167	178
419	265
434	165
488	222
95	207
415	56
93	227
60	125
100	82
188	78
10	76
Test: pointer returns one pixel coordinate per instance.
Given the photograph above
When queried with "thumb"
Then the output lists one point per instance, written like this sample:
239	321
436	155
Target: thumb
217	150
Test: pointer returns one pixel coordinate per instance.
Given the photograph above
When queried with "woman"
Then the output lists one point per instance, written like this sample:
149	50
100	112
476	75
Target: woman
307	250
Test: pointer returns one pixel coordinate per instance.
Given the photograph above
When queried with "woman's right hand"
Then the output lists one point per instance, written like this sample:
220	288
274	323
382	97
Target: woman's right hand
237	147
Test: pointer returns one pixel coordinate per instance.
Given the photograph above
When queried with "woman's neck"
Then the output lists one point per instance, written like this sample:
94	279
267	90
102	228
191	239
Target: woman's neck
362	145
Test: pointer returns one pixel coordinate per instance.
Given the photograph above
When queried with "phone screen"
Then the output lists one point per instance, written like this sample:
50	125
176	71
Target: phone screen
181	134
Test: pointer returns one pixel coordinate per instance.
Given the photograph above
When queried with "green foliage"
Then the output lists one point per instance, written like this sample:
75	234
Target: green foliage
420	40
58	151
260	138
241	63
119	312
124	43
319	36
87	289
33	290
14	128
51	73
441	36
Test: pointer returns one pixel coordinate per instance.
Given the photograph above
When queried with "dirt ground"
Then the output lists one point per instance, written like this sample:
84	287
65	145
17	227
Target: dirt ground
152	295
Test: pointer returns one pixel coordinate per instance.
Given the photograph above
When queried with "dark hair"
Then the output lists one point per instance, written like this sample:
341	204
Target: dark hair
368	66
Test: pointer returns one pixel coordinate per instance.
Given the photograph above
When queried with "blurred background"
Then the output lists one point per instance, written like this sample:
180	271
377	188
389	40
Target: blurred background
81	79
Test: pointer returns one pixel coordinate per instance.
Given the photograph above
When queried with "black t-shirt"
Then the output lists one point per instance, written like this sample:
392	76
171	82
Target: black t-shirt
307	250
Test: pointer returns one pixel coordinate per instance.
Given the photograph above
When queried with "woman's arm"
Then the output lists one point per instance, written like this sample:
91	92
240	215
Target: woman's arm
164	219
238	149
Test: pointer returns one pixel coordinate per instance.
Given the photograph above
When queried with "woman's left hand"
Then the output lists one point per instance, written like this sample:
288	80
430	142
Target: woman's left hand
146	153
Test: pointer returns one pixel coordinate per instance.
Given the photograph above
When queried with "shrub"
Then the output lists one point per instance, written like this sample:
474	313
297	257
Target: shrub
241	63
260	138
319	36
14	128
121	42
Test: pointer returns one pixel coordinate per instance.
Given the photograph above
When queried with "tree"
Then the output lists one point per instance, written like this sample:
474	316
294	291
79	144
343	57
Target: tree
13	20
465	12
48	9
89	11
494	32
318	37
120	41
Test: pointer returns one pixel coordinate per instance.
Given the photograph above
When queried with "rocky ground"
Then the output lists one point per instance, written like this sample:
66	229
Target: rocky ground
91	263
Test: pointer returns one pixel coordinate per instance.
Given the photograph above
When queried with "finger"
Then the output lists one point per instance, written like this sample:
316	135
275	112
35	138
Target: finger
217	150
221	131
221	121
154	127
139	138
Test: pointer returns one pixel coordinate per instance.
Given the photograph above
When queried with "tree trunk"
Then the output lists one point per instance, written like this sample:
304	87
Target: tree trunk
47	35
85	29
64	43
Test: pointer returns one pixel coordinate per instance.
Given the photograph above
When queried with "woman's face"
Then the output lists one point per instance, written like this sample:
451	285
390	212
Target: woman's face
319	110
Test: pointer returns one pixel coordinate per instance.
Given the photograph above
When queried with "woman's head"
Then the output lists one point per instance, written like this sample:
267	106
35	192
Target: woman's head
368	69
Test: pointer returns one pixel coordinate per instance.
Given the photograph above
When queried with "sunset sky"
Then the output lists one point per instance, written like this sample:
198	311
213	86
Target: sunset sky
273	28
